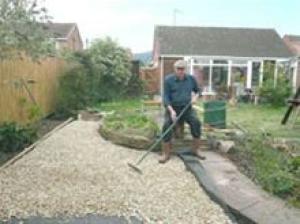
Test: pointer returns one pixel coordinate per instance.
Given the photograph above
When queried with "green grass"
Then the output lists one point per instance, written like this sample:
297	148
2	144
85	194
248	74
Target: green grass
275	170
120	105
128	120
258	118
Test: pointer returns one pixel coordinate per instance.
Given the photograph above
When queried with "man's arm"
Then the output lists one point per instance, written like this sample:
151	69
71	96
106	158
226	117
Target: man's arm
167	100
196	91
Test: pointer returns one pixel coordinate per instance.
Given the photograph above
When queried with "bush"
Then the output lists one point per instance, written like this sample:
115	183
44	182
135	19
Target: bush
101	73
73	92
275	96
272	168
135	87
14	137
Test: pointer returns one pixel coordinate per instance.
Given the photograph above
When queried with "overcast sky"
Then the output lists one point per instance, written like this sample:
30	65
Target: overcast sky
131	22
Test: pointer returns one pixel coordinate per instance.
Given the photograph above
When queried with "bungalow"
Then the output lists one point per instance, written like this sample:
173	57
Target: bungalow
220	57
293	43
65	35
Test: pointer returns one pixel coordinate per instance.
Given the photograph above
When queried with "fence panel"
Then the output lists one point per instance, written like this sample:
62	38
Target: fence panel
24	83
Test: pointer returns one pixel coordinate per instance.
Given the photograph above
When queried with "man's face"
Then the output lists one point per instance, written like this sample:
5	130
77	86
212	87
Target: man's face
180	72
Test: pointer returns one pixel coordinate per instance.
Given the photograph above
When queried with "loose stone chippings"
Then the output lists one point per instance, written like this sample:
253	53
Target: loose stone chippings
75	172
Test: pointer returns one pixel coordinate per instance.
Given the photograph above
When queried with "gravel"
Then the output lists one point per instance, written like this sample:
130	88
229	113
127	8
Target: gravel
75	172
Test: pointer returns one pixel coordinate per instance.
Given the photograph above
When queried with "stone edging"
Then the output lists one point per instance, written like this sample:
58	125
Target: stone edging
236	193
194	166
132	141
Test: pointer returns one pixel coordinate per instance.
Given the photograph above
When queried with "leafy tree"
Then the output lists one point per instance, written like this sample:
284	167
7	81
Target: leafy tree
111	68
21	29
98	74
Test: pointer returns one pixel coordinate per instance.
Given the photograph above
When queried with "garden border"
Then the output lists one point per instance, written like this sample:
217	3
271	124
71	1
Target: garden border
32	147
237	194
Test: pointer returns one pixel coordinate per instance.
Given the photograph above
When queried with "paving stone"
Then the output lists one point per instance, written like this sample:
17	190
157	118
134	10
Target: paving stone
222	180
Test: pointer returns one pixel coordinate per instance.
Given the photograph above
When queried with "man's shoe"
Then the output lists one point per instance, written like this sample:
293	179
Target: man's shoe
166	152
196	149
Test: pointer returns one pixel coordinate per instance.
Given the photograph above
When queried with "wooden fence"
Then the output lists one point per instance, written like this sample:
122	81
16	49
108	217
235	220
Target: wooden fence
151	78
25	85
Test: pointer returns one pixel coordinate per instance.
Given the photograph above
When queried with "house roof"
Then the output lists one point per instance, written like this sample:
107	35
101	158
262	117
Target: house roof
59	30
293	37
293	43
217	41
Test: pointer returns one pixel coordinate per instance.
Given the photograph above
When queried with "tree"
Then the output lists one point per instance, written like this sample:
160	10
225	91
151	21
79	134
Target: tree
98	74
111	67
21	29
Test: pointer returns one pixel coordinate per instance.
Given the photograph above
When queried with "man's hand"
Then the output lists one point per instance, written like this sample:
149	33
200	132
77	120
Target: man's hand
195	98
173	115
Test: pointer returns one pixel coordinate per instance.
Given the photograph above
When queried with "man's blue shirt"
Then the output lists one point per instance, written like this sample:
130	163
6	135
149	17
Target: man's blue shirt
178	92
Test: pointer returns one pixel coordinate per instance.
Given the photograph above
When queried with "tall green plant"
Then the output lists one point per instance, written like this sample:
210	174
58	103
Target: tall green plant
14	137
21	29
276	94
101	73
74	91
111	69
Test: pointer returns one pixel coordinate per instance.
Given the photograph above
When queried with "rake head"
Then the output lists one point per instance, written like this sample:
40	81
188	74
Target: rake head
135	168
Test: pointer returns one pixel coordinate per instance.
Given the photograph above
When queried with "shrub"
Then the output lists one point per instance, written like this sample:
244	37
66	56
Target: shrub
101	73
275	96
272	168
135	87
14	137
73	92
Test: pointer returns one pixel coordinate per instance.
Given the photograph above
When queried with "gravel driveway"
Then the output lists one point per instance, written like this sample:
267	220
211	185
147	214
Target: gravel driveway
75	172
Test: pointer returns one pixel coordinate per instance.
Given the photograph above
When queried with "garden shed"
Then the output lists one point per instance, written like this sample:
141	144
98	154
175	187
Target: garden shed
222	57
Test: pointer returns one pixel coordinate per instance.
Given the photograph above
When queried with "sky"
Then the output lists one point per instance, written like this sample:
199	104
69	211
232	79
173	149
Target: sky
132	22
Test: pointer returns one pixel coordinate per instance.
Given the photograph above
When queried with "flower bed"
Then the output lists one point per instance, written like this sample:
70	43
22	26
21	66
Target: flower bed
130	129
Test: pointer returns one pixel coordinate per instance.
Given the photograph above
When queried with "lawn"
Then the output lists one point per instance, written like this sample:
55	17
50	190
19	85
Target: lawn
258	118
274	168
120	105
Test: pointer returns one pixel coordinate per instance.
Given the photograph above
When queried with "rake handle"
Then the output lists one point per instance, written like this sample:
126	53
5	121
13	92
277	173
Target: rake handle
163	135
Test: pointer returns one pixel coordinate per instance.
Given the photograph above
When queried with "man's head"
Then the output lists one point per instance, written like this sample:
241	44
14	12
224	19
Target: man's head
180	67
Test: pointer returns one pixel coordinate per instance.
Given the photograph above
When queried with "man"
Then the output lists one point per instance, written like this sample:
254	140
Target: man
178	89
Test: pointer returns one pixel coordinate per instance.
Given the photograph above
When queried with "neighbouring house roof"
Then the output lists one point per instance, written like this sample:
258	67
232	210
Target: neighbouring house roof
293	43
217	41
59	30
295	38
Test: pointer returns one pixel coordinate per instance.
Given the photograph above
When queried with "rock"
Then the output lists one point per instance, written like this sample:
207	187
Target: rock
133	137
225	146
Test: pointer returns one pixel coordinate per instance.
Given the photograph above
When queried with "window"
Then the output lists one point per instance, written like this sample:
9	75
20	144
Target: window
255	73
240	62
201	61
269	70
202	76
219	78
224	62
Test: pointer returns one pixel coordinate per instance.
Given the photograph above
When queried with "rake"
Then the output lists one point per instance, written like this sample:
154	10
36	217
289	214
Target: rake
134	166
